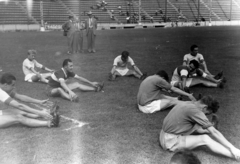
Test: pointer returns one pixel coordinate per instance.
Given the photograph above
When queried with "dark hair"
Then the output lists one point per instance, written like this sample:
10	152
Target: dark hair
193	47
7	78
32	52
163	74
185	157
195	63
70	17
212	104
125	55
66	61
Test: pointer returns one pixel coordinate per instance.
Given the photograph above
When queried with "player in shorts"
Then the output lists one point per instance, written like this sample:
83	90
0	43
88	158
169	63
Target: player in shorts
188	118
120	67
183	77
59	84
22	114
150	96
194	55
29	65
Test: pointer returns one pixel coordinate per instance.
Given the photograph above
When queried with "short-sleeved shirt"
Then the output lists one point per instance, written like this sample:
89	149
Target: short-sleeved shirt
151	89
188	57
183	118
27	65
5	97
122	65
54	80
184	72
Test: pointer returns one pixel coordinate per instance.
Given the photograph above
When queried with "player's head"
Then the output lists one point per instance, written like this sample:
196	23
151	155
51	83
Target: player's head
90	14
70	17
124	56
31	54
184	157
193	64
194	50
68	65
212	104
163	74
8	82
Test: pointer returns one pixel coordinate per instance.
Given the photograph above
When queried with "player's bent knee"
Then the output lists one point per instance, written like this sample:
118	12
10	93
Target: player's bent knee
205	139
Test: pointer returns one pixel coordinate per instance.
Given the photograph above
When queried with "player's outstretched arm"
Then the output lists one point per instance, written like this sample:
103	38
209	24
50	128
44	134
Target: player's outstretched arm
181	92
48	69
28	109
27	99
85	80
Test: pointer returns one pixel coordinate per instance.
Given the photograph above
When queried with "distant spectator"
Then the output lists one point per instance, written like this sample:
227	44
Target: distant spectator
184	157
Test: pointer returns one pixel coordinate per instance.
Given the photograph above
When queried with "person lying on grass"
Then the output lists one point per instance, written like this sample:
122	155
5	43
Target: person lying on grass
120	67
23	114
150	96
186	127
59	84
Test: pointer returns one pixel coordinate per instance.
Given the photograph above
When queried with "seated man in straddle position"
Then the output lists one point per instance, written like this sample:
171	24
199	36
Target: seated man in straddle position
188	118
31	75
120	67
194	55
150	96
183	77
23	114
60	86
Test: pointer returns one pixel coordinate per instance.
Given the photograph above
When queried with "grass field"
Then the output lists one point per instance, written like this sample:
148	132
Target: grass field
106	127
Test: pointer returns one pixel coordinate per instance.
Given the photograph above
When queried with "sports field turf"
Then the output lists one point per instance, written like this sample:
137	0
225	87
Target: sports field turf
106	127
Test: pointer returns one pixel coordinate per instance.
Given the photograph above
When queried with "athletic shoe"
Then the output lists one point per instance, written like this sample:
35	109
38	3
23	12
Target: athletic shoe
221	85
215	121
143	76
219	75
186	89
180	98
54	111
100	87
199	96
110	77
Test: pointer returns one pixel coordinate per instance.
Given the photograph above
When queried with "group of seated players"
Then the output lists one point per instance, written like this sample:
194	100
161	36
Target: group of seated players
185	118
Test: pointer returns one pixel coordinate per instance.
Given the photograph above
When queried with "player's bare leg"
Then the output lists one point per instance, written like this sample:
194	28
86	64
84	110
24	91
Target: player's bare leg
82	87
196	81
134	73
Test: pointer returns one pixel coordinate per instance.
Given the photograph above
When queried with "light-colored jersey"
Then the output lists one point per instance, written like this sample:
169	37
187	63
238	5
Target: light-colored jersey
27	65
5	98
120	64
188	57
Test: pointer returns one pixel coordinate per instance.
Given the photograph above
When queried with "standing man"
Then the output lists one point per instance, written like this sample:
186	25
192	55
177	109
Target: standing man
188	118
69	28
150	96
194	55
31	75
91	27
60	86
22	114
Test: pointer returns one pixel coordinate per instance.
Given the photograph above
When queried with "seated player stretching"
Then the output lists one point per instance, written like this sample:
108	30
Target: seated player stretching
150	96
183	79
188	118
60	86
194	55
120	67
29	64
23	114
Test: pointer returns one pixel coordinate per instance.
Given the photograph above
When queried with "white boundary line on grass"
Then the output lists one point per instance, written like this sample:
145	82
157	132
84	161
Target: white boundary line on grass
79	125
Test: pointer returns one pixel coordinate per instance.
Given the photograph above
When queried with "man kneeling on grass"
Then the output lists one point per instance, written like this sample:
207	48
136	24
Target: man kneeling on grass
150	96
23	114
59	86
120	67
188	118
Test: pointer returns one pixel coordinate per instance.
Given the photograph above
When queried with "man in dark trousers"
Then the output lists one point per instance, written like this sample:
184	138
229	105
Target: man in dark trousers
69	30
91	26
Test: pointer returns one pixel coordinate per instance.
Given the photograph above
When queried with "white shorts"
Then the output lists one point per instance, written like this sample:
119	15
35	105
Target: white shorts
122	72
151	108
172	142
29	76
188	82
